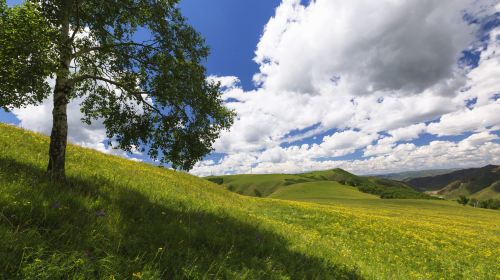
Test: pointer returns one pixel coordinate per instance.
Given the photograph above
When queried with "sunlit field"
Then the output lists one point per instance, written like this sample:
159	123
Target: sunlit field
118	219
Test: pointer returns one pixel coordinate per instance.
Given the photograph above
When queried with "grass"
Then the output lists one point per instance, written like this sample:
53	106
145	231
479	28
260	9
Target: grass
264	185
118	219
492	191
454	190
321	190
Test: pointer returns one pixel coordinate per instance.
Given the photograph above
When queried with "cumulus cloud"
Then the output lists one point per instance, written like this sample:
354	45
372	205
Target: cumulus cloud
39	119
379	75
405	46
343	143
483	87
476	150
465	120
366	77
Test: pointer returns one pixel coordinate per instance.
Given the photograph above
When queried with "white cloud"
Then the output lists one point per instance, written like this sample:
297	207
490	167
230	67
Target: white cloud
407	133
465	120
476	150
404	46
343	143
437	154
225	81
483	86
378	72
483	80
39	119
477	139
386	145
273	155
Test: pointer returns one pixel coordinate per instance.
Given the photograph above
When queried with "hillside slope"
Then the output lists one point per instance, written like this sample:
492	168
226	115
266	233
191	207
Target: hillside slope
118	219
320	191
468	182
493	191
264	185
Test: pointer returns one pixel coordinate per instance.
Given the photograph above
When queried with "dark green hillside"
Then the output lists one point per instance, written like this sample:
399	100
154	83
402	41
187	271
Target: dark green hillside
493	191
468	182
391	189
263	185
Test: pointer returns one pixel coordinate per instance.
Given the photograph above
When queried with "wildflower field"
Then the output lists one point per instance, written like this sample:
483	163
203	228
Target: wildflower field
118	219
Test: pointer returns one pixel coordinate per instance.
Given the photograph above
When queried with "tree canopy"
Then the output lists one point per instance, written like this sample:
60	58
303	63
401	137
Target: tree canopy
27	57
136	64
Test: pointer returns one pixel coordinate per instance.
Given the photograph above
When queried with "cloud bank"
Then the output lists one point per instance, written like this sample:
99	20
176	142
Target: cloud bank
368	86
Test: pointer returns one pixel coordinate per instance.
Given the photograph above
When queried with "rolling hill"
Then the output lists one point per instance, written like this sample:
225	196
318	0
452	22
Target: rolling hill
320	191
264	185
118	219
481	183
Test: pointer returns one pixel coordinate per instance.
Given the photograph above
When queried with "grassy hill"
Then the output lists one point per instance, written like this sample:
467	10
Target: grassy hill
118	219
493	191
257	185
264	185
481	183
320	191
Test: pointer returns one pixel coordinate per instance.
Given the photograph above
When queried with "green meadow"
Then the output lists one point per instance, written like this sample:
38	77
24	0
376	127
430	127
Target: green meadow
118	219
265	185
321	191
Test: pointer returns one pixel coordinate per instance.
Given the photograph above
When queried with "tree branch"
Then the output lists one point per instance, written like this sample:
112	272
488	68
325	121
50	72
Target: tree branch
110	46
136	94
77	22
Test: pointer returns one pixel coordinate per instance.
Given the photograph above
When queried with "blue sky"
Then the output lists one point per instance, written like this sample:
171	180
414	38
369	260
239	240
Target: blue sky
368	87
232	29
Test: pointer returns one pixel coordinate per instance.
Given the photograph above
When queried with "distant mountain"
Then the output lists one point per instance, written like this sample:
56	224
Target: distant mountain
481	183
408	175
264	185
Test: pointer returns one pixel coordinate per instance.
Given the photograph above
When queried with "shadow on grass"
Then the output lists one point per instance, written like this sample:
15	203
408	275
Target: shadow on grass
80	229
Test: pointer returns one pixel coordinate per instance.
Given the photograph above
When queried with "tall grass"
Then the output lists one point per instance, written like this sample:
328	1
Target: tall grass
117	219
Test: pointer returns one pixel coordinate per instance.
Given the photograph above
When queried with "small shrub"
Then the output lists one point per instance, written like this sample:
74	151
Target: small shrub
257	193
474	202
463	200
217	180
490	204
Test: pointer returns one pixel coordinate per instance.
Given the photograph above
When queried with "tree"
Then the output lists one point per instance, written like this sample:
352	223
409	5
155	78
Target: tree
462	199
150	91
490	203
473	202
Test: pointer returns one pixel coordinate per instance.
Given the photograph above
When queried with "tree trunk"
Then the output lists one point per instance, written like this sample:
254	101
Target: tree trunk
59	135
62	90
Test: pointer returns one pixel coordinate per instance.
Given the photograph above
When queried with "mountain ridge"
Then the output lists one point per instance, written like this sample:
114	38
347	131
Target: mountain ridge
408	175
